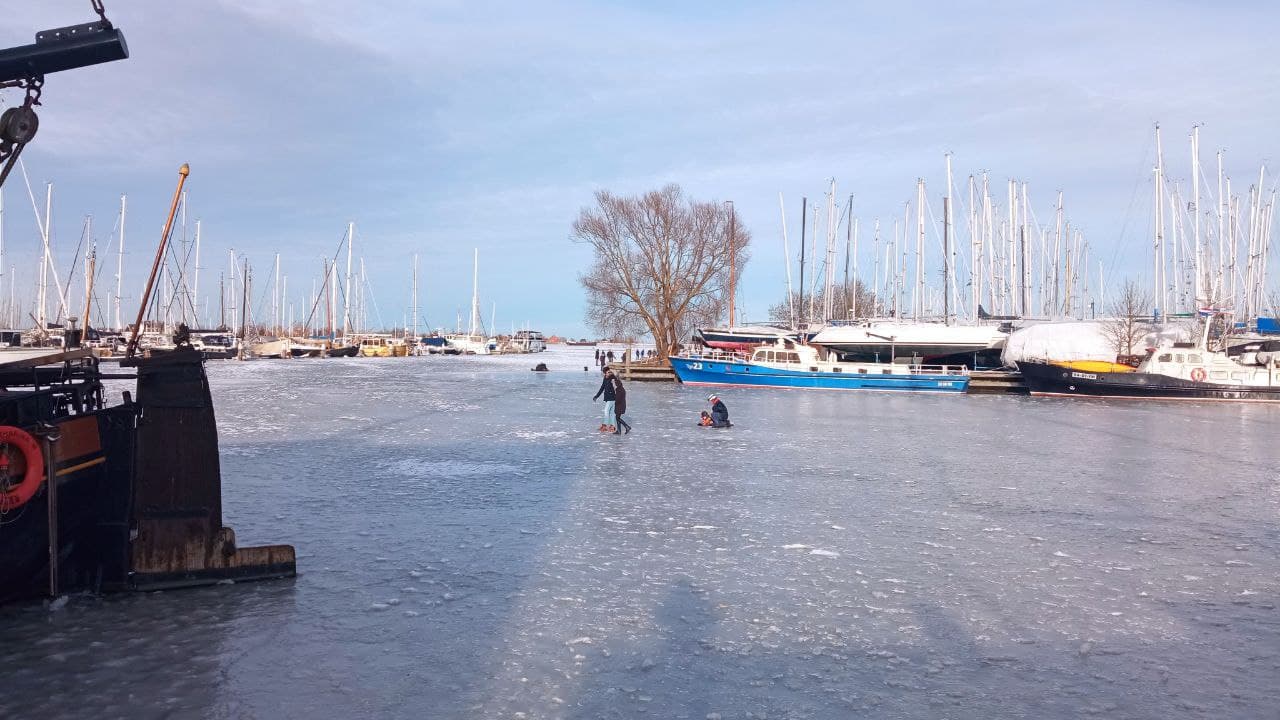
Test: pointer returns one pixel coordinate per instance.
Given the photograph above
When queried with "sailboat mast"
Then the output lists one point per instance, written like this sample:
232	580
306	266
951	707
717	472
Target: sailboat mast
1195	203
1158	248
195	284
804	215
732	264
786	254
415	296
947	261
475	292
917	303
346	301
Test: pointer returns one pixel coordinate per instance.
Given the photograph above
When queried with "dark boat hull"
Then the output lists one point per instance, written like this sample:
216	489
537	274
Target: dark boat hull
344	351
1054	380
132	498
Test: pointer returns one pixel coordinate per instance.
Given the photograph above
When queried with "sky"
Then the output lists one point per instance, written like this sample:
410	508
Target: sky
439	127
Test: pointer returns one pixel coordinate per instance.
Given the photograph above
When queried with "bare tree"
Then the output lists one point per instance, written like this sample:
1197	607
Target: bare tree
868	305
661	263
1128	323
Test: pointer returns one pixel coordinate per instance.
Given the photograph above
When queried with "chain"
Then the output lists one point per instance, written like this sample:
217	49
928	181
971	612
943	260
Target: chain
102	11
18	124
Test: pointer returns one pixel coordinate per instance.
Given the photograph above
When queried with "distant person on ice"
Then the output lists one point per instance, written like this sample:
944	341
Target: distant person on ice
606	389
719	413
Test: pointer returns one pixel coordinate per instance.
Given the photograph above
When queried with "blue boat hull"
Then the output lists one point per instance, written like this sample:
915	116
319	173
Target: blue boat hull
700	371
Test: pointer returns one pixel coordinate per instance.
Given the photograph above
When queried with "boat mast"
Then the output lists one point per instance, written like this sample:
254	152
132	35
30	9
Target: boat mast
92	264
1195	204
813	252
1222	255
947	260
475	292
1158	249
44	259
1025	275
346	301
275	298
975	250
917	302
853	251
804	215
786	254
183	172
195	284
244	308
732	252
877	297
415	295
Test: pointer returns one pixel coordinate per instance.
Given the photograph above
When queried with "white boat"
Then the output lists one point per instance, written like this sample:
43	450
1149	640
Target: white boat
528	341
278	348
473	342
888	340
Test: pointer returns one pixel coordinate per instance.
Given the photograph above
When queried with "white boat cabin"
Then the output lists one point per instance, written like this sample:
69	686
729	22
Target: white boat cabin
1189	362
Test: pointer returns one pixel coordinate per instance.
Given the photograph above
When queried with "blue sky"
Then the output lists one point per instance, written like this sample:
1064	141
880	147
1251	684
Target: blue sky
442	126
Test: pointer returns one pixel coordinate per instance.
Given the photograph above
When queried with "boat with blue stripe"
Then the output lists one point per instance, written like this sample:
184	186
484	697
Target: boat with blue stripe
788	364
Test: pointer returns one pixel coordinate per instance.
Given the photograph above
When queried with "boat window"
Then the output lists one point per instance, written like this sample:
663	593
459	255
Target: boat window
813	368
1193	359
1218	374
1179	358
862	371
793	357
1167	357
886	371
1238	377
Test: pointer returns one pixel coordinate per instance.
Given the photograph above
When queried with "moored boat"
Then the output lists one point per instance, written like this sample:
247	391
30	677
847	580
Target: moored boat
935	342
742	338
1178	371
787	364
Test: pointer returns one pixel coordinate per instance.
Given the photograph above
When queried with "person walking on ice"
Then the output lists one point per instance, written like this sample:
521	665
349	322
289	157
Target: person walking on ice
620	404
606	390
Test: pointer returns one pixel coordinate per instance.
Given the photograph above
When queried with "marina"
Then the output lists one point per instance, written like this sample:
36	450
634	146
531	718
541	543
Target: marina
786	391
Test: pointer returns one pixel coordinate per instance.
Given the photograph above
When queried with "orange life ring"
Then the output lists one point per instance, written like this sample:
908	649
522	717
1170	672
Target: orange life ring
1198	374
16	497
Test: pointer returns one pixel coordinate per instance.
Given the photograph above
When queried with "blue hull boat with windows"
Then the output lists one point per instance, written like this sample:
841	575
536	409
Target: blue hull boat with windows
791	365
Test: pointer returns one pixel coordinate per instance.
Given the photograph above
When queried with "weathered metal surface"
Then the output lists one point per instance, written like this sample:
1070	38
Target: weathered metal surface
177	505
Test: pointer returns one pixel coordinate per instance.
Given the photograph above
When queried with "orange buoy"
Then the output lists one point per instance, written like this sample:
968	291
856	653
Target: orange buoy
12	437
1198	375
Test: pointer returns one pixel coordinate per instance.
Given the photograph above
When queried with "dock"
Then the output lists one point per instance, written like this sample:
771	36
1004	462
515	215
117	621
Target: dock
996	382
645	371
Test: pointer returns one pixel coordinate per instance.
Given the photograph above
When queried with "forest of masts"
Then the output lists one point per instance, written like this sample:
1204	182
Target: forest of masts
1208	249
340	300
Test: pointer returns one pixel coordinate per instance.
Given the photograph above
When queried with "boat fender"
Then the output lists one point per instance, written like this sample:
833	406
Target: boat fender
16	497
1197	374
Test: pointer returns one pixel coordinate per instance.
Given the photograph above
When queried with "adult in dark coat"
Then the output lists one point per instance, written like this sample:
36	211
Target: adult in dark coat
719	413
606	389
619	405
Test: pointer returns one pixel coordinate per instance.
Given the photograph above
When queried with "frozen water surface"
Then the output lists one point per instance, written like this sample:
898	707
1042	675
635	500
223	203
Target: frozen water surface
471	547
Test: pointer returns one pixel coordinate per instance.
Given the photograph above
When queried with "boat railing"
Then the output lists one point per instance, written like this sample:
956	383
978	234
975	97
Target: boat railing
719	355
938	369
